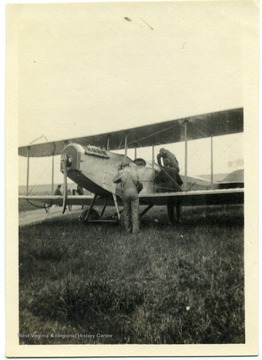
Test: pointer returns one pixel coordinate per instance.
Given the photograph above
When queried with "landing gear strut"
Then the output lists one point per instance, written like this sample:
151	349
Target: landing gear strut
91	215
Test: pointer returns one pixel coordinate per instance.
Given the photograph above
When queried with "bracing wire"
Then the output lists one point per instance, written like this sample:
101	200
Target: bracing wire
153	134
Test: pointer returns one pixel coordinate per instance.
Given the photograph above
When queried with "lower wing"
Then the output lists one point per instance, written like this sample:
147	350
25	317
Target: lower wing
196	198
50	200
187	198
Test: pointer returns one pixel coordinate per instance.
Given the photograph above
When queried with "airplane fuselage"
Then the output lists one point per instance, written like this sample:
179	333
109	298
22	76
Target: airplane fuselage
94	169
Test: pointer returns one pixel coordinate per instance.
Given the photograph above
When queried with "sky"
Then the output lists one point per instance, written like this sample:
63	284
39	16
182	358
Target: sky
91	68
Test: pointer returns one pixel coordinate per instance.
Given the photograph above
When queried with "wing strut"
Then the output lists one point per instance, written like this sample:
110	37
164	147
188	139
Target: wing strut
27	172
65	184
108	143
212	159
153	156
125	144
185	184
53	170
53	166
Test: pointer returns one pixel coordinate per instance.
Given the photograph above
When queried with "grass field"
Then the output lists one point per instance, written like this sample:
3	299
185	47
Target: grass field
95	284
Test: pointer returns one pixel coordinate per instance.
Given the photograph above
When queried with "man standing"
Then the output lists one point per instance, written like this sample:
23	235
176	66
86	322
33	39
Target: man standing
130	184
58	190
169	180
79	190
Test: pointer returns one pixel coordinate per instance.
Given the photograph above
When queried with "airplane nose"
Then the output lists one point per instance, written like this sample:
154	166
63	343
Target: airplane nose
72	154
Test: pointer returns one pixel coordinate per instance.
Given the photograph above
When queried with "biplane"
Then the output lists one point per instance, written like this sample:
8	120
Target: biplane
91	163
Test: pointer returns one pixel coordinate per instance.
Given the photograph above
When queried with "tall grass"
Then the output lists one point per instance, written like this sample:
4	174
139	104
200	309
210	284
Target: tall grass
167	285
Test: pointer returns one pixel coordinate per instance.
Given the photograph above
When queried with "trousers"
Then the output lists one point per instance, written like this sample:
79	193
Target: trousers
170	210
131	213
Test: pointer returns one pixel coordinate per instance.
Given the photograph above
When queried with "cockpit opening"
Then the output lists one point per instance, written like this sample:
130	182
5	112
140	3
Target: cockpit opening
140	162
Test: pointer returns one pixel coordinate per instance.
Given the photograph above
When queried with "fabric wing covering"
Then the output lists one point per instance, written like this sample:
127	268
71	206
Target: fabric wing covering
199	126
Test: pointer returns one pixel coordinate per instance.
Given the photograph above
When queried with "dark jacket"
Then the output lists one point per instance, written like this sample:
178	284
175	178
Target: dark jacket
169	179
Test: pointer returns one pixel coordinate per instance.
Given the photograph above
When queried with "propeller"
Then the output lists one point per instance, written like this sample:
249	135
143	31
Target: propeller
64	165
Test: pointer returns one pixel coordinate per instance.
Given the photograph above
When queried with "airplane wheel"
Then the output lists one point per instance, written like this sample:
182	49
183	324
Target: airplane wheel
92	216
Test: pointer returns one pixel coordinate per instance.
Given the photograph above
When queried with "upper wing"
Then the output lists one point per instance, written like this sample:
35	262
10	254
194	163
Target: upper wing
199	126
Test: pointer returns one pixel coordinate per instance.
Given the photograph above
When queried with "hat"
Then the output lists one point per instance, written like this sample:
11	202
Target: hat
124	163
